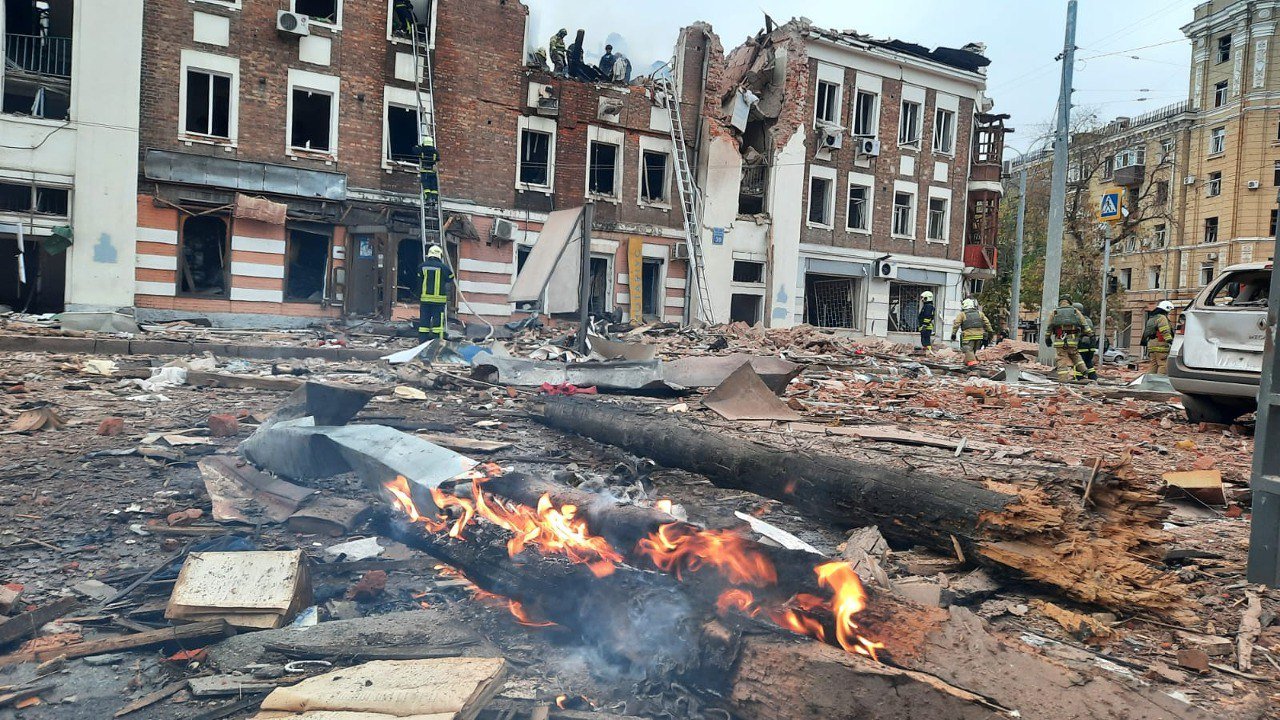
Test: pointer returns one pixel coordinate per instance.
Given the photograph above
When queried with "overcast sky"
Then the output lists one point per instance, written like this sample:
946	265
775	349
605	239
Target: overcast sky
1132	57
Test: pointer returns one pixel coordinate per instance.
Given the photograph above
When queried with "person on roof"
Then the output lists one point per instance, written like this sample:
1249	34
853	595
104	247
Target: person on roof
607	61
559	58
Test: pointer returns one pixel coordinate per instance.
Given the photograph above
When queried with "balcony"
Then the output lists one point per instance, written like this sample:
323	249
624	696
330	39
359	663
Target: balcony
36	55
1130	176
752	190
981	260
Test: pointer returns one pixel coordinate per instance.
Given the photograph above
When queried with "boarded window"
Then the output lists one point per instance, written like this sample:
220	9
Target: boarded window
312	120
306	266
208	104
202	257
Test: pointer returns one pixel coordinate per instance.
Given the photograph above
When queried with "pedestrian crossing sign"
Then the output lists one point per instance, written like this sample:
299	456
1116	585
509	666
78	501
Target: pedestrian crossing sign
1109	207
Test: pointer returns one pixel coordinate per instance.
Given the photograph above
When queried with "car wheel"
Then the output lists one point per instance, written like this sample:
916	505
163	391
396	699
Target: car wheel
1202	408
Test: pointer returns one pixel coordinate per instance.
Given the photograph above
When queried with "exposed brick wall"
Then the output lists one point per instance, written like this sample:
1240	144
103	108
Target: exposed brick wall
886	169
361	56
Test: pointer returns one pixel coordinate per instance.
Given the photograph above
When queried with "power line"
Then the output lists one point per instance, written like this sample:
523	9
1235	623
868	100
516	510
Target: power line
1130	50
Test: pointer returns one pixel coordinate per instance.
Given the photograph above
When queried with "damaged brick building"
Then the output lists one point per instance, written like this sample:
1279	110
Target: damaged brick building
844	176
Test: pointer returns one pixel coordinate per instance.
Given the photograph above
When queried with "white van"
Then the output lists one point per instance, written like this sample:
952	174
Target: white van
1216	358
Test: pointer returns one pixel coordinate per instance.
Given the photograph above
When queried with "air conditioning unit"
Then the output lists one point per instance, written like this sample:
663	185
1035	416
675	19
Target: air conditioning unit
1190	180
869	147
1253	185
1212	256
832	138
503	230
886	269
292	23
681	251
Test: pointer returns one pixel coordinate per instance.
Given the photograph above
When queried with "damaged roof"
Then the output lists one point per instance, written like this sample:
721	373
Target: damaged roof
968	59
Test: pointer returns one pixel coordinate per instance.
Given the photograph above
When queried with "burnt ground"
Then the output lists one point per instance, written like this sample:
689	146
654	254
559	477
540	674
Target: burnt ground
71	511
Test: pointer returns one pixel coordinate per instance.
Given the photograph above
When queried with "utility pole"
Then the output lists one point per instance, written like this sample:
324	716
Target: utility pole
1058	193
1101	338
1015	291
1264	529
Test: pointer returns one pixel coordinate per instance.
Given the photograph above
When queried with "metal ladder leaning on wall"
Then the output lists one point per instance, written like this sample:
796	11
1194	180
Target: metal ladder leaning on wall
430	214
690	198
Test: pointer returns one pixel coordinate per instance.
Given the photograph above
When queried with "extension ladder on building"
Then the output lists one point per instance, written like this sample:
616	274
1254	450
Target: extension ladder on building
690	199
431	215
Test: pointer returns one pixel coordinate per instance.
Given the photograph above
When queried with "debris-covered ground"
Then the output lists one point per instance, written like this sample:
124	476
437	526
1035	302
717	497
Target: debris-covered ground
115	468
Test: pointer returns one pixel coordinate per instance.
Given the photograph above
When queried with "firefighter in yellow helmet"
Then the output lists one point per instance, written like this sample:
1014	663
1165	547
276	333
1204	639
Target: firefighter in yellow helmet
434	308
1158	337
1065	325
973	327
925	319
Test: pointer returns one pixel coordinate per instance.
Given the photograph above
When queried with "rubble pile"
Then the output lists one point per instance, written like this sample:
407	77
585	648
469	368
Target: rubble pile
204	536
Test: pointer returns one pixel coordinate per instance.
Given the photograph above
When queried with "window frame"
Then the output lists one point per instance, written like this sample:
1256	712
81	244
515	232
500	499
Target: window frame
827	175
597	135
1218	140
903	139
180	247
1153	277
335	25
1159	235
1221	92
210	64
911	214
1223	51
397	40
653	146
946	219
546	126
325	286
1210	223
873	115
949	146
867	183
1213	188
401	98
833	106
313	82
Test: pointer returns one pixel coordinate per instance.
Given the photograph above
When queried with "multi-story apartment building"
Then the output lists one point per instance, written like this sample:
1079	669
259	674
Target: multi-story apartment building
68	146
278	177
1201	177
844	176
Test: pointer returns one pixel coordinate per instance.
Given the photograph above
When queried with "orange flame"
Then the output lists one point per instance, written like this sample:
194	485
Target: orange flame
522	616
678	548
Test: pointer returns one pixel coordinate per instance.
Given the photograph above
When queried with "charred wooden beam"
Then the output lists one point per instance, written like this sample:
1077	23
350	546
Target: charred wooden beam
1027	528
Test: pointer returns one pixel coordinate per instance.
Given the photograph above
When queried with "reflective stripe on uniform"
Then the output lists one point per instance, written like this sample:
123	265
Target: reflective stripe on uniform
433	286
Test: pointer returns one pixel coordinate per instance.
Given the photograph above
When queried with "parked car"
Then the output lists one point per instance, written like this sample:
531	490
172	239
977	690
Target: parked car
1216	358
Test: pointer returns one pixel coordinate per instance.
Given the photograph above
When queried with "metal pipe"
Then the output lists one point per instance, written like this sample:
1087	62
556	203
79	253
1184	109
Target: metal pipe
1058	193
1015	291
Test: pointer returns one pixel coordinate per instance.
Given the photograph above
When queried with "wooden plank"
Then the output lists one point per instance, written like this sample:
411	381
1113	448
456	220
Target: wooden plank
201	378
463	444
26	624
151	698
194	631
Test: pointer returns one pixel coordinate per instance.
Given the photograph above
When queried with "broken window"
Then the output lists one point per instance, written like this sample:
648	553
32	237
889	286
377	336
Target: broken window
603	172
28	199
1220	94
1217	141
820	200
1126	278
1206	273
601	284
909	124
904	214
208	104
202	257
904	305
1108	167
859	217
306	266
402	134
1211	230
864	114
745	308
1224	48
944	132
1160	235
651	282
748	271
311	121
827	107
829	301
1271	229
1162	191
937	219
535	158
1153	278
1215	184
653	177
408	270
325	11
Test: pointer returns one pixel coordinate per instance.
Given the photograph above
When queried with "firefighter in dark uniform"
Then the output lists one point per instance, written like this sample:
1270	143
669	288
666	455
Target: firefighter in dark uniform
428	156
973	327
436	280
1088	346
405	19
924	319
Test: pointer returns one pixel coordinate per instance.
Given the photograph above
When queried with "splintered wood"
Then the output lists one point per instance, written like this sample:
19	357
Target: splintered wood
1021	516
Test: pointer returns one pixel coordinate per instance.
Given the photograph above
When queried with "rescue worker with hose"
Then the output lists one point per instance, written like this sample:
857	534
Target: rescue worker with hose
1088	346
973	327
434	309
924	320
1065	326
1157	337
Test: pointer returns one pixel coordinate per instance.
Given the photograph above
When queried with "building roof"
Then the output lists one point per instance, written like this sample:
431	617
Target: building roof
966	59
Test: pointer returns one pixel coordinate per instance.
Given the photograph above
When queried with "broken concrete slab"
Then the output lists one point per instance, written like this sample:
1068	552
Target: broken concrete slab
241	493
973	588
617	375
710	371
332	516
255	589
615	350
744	396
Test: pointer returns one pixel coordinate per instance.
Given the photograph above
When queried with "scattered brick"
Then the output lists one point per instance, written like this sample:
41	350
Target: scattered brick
1194	659
368	587
224	425
1205	462
111	426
